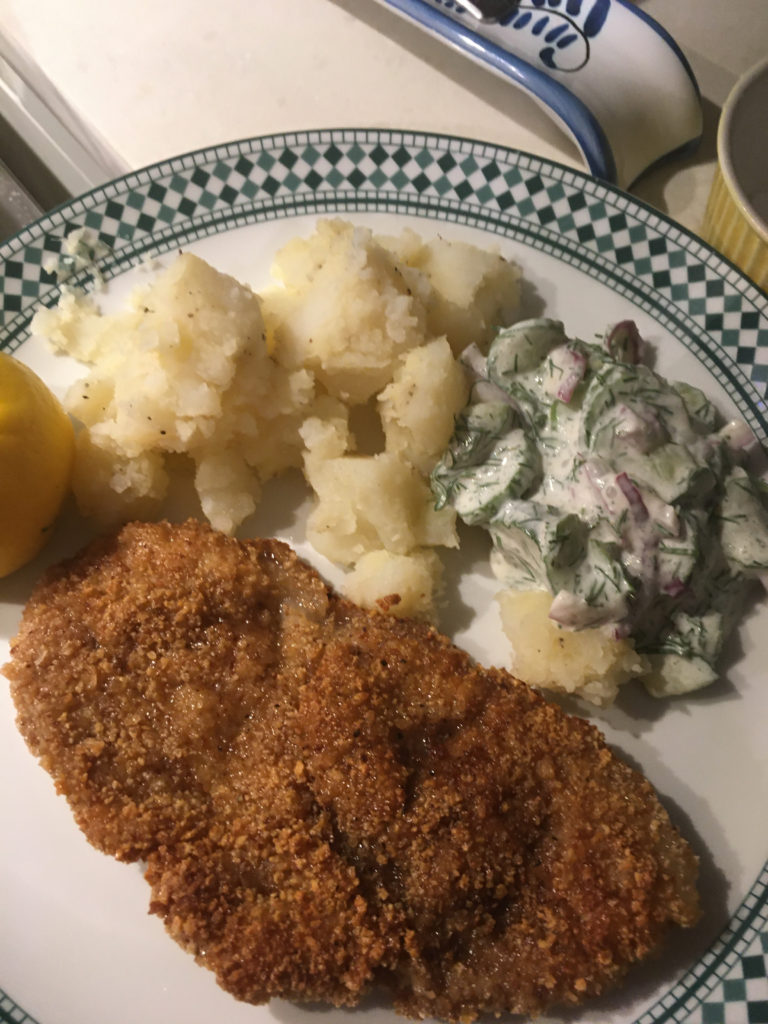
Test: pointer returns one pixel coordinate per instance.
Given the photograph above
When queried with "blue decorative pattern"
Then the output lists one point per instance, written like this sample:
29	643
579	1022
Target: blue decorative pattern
560	29
564	104
536	42
684	285
562	25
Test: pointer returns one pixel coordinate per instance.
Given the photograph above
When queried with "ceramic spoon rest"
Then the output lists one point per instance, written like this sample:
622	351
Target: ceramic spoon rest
609	74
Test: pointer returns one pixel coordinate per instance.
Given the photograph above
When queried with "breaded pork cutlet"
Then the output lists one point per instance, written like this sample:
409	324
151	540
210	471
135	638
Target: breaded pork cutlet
330	800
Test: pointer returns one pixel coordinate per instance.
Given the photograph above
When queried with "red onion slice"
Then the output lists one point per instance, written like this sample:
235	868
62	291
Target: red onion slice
634	497
624	342
574	375
675	587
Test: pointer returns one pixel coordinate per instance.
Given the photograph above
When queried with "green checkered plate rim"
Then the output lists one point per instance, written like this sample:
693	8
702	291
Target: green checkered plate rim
684	285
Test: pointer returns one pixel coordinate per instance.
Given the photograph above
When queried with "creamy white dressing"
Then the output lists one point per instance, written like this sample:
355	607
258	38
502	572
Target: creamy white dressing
612	488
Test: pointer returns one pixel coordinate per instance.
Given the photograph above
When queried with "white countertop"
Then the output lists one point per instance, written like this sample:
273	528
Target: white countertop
143	81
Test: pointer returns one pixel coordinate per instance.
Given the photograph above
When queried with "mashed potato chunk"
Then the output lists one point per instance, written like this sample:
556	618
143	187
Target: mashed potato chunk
418	408
369	502
472	291
186	370
111	487
403	585
588	662
344	310
344	364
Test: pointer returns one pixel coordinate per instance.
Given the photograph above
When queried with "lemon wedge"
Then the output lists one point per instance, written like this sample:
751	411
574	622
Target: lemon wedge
36	455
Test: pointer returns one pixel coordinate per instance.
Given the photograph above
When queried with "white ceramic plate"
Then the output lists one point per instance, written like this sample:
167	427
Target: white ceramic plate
76	943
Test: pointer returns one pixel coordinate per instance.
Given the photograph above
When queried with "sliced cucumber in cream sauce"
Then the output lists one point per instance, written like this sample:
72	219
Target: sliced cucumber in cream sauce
619	491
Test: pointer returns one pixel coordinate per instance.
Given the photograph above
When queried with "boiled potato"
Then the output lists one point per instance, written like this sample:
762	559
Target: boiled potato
472	291
587	662
351	346
419	407
369	502
344	310
403	585
185	371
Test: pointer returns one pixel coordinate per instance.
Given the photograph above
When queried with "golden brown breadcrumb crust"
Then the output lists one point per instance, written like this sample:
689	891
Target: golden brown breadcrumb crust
328	799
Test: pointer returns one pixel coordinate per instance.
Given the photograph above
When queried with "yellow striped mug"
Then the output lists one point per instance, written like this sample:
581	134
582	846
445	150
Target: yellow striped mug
736	218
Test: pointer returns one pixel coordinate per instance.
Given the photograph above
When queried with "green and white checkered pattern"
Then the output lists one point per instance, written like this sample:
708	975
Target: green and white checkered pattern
742	996
10	1013
729	983
633	249
682	283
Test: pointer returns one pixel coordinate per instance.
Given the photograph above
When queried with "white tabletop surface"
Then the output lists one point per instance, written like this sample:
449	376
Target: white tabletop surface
148	80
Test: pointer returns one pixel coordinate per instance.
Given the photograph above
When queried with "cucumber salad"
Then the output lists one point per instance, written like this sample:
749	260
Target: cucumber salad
622	494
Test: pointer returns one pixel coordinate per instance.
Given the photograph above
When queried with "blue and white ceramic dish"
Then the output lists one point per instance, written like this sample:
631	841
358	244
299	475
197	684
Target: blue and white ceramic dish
76	943
611	76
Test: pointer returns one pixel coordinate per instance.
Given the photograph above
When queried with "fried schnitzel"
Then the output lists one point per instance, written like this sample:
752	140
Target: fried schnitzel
330	800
